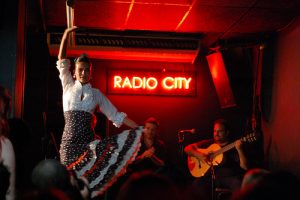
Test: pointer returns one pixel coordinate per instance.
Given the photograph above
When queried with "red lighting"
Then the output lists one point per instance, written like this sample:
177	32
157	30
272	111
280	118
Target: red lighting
151	82
220	79
176	83
135	82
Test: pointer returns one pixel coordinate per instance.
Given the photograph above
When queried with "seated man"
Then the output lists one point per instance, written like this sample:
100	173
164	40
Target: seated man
152	154
219	170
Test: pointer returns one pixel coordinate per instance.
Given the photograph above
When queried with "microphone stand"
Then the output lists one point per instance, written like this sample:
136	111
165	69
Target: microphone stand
180	135
180	142
213	179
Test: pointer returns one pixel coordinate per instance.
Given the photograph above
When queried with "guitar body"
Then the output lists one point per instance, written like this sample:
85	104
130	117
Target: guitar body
198	168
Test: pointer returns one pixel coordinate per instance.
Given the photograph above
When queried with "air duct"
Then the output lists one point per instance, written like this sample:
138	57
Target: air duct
167	48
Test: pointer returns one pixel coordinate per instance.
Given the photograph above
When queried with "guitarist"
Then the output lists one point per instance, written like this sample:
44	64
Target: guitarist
226	173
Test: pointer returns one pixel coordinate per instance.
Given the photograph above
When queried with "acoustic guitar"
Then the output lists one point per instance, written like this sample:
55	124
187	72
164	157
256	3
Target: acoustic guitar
198	168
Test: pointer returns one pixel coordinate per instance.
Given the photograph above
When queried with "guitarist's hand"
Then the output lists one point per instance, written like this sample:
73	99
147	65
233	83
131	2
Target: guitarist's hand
238	145
202	157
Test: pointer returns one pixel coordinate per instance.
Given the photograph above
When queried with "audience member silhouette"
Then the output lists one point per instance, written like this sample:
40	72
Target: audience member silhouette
147	185
50	173
21	138
48	194
273	185
252	176
7	153
4	180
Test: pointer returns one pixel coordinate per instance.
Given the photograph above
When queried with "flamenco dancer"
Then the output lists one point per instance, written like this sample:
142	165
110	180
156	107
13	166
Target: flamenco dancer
99	161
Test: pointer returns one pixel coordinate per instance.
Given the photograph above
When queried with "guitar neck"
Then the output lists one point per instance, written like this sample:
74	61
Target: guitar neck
224	149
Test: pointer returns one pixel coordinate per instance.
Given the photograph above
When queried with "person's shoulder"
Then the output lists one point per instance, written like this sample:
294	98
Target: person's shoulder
5	141
7	152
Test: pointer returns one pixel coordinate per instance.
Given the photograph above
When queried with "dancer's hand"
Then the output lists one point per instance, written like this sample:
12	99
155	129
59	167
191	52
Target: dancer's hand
70	29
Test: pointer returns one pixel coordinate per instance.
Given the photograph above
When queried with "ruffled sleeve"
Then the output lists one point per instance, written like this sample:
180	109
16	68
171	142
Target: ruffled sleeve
110	110
65	75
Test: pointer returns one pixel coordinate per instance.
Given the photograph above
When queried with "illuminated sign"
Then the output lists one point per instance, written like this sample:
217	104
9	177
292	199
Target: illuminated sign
151	83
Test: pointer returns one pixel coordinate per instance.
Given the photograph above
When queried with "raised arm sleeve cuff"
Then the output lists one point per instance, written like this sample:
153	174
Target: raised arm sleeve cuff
63	64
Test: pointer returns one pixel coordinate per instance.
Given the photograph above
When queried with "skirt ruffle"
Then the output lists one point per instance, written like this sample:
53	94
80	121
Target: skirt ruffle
101	162
104	161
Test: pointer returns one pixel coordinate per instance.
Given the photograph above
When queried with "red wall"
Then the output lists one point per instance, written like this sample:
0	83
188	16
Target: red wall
174	113
282	131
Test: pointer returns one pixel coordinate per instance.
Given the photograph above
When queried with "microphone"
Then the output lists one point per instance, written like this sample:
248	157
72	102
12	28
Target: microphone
191	131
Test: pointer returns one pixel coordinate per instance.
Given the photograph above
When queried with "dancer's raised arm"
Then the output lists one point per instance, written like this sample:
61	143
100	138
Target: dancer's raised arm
63	44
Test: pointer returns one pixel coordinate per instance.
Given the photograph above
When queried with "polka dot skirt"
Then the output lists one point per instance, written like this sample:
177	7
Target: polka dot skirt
100	161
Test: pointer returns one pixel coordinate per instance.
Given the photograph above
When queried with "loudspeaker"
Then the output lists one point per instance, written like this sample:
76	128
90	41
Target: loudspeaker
219	75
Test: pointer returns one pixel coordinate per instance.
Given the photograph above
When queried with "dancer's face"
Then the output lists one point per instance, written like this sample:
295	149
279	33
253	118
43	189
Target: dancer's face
83	72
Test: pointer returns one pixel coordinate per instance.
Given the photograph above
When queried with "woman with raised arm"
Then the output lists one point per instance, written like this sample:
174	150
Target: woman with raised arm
100	161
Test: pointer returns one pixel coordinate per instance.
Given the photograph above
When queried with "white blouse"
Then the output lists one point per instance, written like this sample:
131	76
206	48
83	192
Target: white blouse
73	91
7	156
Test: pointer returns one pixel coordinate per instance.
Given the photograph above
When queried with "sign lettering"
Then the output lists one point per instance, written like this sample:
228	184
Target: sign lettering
151	83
